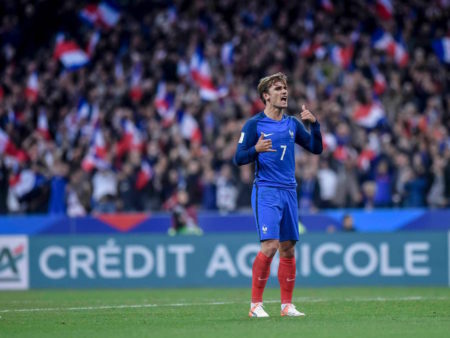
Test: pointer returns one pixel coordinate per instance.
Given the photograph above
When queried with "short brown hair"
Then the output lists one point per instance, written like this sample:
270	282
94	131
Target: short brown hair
265	83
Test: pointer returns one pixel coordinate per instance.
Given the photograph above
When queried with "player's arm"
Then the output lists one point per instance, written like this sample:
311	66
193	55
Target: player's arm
311	141
250	145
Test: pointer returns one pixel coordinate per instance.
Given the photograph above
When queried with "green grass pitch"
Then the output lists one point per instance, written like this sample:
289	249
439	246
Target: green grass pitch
330	312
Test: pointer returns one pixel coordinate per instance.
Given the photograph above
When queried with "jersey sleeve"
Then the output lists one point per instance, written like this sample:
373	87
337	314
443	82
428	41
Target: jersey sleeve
311	141
246	152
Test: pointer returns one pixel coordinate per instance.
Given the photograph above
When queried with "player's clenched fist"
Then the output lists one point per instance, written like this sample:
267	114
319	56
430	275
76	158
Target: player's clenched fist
263	145
306	115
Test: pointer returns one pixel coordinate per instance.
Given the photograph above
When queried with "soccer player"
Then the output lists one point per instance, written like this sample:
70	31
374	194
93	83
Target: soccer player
268	139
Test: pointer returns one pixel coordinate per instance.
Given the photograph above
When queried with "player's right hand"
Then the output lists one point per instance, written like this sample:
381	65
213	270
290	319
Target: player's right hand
264	145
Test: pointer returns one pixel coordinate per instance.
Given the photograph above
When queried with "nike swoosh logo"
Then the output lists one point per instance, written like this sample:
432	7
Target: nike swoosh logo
265	135
290	280
259	278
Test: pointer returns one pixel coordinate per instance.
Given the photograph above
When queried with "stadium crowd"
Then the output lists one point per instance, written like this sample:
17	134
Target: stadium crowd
154	104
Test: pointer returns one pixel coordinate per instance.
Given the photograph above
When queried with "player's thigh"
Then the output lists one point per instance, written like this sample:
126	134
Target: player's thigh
289	221
267	211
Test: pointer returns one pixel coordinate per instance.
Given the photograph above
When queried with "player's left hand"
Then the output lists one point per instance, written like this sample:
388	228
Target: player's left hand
306	115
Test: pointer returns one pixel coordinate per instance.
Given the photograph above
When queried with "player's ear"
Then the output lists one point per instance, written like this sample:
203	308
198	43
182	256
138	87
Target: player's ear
266	96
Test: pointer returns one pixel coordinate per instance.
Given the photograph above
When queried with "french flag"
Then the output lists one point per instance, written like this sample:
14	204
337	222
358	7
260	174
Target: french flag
108	13
32	89
308	49
104	15
70	54
92	161
368	115
89	13
442	49
384	9
144	175
382	40
379	81
12	154
133	135
201	74
92	43
136	91
189	128
6	146
342	56
100	149
164	103
131	138
42	124
400	53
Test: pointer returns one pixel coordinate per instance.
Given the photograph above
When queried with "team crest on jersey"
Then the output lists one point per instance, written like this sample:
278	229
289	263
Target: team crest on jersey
264	229
291	133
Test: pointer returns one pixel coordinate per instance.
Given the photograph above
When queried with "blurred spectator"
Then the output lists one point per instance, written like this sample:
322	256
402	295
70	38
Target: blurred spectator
104	186
244	188
383	185
4	186
327	184
58	182
348	192
348	223
226	190
78	195
184	215
308	191
136	103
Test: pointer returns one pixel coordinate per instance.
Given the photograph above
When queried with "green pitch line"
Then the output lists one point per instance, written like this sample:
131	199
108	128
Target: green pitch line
337	312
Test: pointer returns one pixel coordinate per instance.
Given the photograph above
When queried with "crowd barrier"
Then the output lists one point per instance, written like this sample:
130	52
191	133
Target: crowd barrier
387	220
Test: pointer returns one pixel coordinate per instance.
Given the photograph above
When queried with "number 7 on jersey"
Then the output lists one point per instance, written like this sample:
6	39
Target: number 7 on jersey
284	151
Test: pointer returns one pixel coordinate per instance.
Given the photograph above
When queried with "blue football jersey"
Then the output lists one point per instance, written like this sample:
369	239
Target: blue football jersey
276	169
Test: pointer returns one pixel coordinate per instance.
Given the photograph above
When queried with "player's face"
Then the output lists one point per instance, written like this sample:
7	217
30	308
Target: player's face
278	95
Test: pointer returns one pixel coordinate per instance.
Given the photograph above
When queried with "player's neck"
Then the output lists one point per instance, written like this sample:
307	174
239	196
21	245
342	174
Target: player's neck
273	112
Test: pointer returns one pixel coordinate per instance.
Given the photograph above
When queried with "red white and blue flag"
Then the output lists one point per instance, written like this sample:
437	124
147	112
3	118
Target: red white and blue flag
92	43
99	143
379	81
342	56
368	115
42	124
189	128
70	54
13	155
308	49
104	15
165	103
144	175
384	9
136	90
202	76
32	89
384	41
442	49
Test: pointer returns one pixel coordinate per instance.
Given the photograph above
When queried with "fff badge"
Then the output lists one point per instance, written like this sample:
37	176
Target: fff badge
14	263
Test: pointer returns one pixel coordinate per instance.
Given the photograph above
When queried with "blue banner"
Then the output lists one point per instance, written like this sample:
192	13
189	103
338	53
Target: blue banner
387	220
132	261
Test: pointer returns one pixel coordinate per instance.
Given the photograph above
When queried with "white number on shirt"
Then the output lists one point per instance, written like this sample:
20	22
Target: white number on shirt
284	151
